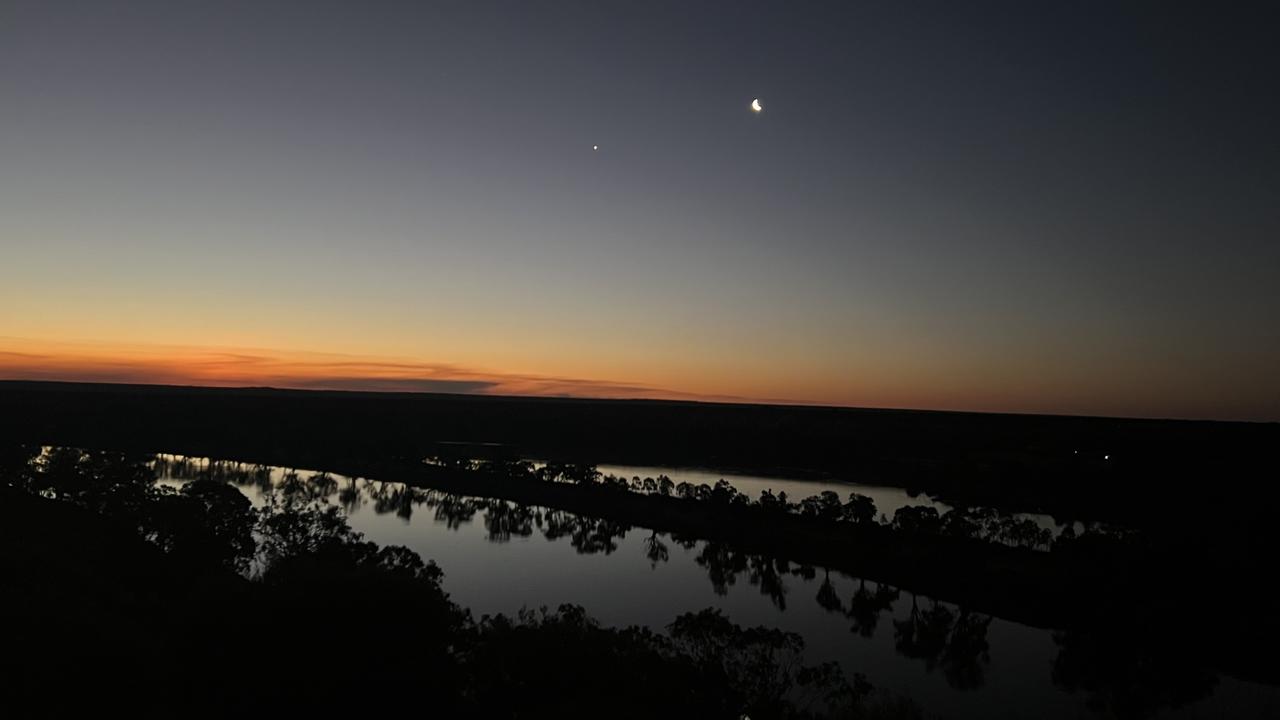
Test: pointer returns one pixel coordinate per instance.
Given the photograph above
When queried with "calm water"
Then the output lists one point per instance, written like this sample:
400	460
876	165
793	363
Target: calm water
501	559
888	499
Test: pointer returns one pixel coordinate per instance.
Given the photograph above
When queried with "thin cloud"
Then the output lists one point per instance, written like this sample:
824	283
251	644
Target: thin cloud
86	362
419	385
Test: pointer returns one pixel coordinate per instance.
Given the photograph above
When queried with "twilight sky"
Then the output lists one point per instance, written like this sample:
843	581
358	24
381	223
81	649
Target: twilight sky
1033	207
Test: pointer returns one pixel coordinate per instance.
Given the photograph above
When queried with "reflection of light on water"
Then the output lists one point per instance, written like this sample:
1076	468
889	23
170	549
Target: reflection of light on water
888	499
491	570
499	557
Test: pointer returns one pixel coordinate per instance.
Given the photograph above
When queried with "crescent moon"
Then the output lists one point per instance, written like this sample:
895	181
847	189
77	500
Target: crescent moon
756	106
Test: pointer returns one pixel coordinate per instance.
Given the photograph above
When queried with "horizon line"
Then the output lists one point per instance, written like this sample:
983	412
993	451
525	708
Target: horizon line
744	402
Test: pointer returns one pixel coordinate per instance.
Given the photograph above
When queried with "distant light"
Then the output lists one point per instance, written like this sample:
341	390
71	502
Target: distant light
1106	457
1075	452
595	147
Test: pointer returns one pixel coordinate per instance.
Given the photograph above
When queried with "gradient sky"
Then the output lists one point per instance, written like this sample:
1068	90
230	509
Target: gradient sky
1044	207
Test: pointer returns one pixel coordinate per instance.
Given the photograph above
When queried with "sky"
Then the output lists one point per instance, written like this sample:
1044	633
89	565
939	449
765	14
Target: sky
1015	207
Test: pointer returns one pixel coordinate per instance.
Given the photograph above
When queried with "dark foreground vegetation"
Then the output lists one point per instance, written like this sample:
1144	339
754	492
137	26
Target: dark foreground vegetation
189	601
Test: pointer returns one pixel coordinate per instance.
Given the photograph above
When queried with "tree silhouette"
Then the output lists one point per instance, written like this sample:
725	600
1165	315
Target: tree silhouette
825	506
763	666
916	519
958	523
16	466
859	510
770	503
207	521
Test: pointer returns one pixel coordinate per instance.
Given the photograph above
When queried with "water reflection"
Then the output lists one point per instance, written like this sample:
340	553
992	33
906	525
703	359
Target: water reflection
887	499
936	636
866	606
816	498
655	550
725	565
503	520
940	639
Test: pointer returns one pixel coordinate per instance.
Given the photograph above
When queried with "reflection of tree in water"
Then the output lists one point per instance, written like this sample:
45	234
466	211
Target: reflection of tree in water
968	651
724	565
767	573
955	642
866	605
1124	679
314	567
504	519
237	473
923	634
587	535
452	510
393	498
941	638
655	549
323	485
300	535
350	496
936	635
828	599
315	488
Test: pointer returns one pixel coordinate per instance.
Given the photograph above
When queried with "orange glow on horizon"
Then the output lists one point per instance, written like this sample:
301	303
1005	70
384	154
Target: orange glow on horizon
857	384
253	367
